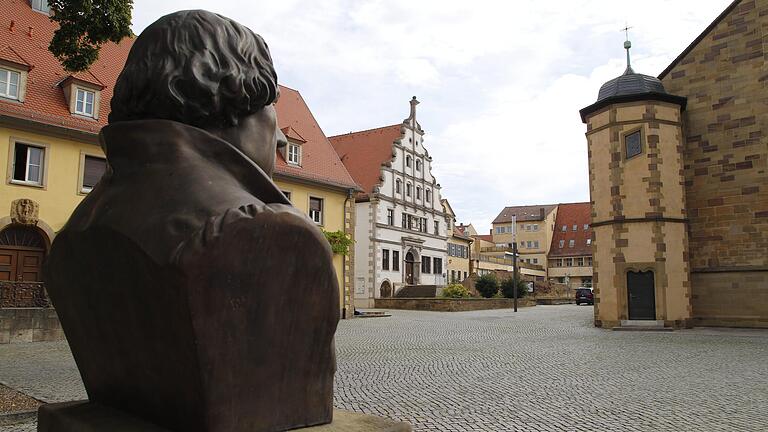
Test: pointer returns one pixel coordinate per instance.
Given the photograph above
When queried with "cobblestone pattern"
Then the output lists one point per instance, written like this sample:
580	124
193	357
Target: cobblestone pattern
543	369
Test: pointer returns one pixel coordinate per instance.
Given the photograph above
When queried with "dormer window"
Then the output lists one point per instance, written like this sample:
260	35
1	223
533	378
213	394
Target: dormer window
41	6
83	94
85	102
294	154
9	83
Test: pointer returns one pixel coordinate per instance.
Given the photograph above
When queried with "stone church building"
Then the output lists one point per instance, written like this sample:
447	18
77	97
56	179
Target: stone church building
678	183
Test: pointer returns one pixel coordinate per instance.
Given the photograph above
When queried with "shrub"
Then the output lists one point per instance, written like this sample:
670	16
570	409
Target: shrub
508	285
487	285
455	291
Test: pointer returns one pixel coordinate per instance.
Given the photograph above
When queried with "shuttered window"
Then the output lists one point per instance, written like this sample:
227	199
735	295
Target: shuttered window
93	169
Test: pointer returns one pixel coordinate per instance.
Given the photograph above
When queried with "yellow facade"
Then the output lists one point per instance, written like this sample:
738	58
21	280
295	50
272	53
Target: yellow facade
537	234
61	191
62	176
335	218
458	266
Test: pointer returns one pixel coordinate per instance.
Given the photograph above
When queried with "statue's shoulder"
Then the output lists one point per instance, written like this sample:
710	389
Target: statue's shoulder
255	228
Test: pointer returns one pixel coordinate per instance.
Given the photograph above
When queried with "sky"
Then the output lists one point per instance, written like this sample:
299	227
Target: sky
500	82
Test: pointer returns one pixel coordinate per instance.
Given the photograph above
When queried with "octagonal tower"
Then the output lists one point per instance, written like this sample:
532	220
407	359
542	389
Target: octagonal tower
640	240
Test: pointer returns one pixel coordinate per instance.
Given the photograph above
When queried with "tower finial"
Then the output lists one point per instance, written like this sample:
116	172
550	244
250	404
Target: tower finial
414	102
627	46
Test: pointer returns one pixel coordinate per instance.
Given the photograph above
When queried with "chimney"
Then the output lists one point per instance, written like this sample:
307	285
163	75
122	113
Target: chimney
541	213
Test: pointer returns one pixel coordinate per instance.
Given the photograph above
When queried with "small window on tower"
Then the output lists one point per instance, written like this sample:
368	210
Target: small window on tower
633	144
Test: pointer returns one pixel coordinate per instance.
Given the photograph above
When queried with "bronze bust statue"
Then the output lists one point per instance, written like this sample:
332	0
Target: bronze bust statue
193	295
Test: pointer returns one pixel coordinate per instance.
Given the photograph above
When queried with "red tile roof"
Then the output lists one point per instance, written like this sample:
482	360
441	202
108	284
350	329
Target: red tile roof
44	100
319	161
364	152
524	213
484	237
578	214
27	33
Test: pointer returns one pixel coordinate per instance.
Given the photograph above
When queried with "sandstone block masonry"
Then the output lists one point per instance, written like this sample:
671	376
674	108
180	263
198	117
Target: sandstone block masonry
723	75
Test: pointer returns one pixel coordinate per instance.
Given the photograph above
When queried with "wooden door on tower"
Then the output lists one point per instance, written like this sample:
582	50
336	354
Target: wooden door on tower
641	301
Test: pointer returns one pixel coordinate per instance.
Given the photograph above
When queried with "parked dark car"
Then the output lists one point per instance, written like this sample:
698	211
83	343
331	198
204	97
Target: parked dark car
584	295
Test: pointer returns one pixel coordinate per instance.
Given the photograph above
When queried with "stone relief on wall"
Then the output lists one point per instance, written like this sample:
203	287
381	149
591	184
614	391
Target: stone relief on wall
25	211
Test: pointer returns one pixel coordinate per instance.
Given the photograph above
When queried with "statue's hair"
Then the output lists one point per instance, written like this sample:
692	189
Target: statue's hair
195	67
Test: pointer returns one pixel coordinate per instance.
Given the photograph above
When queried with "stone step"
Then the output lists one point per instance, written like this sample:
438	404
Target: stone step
640	328
372	314
642	323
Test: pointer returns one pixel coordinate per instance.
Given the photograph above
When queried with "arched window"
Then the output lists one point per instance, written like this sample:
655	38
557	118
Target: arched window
408	161
418	165
418	192
428	195
398	186
408	189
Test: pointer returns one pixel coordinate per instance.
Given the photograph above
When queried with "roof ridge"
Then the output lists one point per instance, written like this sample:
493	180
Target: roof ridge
364	131
699	38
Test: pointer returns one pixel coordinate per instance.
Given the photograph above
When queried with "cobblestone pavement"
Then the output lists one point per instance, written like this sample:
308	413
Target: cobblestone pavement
542	369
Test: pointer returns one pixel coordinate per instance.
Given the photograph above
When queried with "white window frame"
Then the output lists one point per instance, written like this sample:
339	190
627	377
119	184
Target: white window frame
44	159
294	158
571	243
316	216
5	89
40	6
85	92
561	244
589	242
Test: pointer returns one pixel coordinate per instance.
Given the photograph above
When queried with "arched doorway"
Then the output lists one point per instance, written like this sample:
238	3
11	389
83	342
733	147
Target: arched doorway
641	296
385	290
409	268
22	249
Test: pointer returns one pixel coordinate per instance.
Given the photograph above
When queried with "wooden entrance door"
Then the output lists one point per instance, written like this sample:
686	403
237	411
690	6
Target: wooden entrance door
409	268
22	250
641	293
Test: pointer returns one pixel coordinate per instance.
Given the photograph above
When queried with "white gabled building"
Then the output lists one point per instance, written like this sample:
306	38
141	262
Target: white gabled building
401	229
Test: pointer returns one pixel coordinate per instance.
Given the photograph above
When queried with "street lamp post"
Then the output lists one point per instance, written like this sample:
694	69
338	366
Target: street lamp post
513	245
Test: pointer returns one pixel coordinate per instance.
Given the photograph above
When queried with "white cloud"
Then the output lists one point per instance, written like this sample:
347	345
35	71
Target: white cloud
500	82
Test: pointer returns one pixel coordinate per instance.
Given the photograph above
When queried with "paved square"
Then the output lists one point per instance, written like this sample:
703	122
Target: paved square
542	369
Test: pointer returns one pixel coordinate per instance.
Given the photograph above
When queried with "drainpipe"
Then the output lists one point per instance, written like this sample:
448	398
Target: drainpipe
350	192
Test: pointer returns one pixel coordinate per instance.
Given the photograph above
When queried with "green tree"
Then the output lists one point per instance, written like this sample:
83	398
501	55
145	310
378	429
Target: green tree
487	285
508	285
84	25
455	291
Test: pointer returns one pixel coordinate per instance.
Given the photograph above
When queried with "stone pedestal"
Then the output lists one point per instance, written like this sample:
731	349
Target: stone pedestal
84	416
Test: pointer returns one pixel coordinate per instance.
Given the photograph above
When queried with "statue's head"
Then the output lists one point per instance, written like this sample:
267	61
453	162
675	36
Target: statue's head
205	70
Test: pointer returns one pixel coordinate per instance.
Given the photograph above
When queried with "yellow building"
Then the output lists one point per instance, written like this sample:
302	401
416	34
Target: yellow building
49	125
532	227
310	174
459	248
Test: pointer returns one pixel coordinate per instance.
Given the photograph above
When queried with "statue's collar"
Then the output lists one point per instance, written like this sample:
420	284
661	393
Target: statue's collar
143	144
